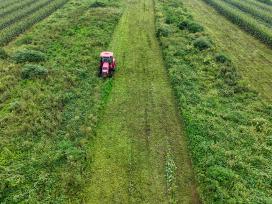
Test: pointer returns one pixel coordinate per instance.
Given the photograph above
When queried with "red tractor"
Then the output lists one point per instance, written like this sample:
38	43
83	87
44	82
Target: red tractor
107	64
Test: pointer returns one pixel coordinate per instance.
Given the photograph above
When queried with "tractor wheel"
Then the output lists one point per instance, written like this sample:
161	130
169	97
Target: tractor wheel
99	74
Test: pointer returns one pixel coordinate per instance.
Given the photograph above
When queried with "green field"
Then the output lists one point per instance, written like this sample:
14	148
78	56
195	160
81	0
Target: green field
251	57
18	16
251	18
186	118
47	123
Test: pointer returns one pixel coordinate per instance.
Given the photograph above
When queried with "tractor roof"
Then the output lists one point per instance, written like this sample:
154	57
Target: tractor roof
106	54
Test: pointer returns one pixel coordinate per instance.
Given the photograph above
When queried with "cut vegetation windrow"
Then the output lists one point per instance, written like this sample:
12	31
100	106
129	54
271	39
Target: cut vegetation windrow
15	22
244	20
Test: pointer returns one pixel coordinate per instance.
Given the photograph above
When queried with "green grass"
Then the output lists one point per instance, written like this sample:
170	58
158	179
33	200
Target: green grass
140	153
228	125
251	58
245	21
259	5
268	2
18	21
47	123
262	15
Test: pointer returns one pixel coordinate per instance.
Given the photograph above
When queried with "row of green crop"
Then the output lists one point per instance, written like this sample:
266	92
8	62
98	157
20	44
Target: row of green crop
16	7
259	5
228	125
268	2
247	23
19	27
22	13
7	3
253	10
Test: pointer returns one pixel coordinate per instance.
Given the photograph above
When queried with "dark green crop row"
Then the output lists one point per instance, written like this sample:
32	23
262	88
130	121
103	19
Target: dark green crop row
247	23
7	3
228	126
259	5
264	16
19	27
22	13
268	2
16	7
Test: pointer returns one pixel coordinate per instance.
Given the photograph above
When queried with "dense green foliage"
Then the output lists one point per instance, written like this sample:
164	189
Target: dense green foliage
47	123
29	56
220	57
191	26
3	54
246	22
202	43
228	125
31	71
16	22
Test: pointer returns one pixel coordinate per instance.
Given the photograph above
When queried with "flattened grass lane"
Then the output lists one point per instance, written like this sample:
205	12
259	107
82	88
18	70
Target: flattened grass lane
139	153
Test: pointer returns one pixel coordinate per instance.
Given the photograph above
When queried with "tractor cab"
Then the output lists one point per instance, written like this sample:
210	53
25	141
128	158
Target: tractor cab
106	57
107	64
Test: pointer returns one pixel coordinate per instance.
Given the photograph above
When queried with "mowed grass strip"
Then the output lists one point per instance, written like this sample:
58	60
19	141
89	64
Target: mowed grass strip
228	125
49	106
140	153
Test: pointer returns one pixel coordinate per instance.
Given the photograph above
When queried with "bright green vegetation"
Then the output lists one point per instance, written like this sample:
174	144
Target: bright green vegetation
20	16
251	57
265	16
49	106
245	21
228	125
139	153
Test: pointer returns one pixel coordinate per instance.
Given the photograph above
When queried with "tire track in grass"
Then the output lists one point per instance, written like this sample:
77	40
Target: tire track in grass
139	154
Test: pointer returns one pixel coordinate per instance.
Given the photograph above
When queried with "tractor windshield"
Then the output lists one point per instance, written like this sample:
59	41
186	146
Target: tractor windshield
106	59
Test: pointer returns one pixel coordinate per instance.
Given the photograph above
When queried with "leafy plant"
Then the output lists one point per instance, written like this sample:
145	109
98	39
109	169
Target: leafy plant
191	26
222	58
3	54
97	4
29	56
31	71
24	40
202	43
